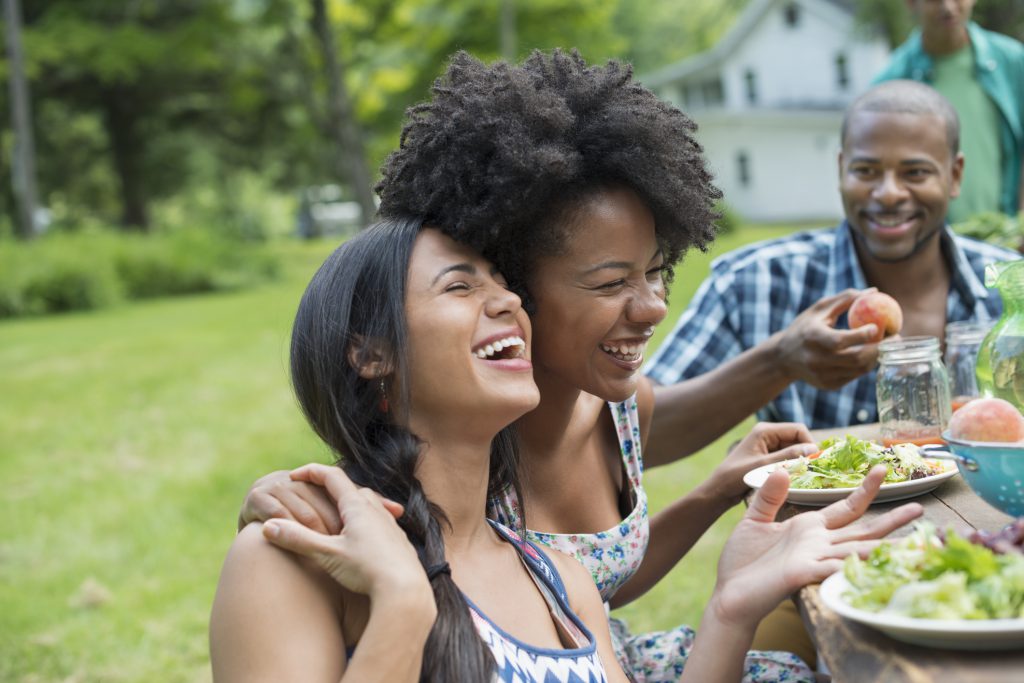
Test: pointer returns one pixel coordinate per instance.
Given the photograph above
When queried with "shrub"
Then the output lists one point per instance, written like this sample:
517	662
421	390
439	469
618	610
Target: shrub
190	261
995	228
50	276
95	268
12	275
729	221
71	282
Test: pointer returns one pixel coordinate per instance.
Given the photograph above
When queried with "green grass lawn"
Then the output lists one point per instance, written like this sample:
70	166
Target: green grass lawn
127	439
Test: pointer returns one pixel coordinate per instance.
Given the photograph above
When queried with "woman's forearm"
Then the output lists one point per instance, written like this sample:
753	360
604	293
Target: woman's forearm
391	647
720	648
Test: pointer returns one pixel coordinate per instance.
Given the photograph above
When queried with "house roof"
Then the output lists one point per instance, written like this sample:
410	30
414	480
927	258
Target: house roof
744	25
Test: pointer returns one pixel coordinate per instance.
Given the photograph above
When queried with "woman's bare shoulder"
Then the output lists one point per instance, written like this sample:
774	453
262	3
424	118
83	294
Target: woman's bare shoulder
272	613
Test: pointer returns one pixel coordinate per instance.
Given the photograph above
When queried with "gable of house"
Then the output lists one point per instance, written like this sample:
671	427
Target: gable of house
768	101
788	54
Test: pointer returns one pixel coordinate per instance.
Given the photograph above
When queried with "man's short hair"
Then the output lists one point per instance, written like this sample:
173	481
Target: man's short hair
907	97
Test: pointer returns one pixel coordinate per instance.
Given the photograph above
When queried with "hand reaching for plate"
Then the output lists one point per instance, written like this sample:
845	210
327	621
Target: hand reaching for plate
764	561
767	442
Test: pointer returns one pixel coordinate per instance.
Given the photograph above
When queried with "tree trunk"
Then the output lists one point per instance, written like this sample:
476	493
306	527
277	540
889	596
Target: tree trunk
122	131
23	166
342	126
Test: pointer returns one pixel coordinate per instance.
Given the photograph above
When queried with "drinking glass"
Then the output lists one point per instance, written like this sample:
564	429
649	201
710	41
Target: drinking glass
963	339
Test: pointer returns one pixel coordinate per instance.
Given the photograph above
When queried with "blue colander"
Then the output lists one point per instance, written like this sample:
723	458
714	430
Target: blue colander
995	471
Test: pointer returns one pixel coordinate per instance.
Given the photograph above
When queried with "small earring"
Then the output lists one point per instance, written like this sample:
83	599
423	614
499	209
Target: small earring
382	405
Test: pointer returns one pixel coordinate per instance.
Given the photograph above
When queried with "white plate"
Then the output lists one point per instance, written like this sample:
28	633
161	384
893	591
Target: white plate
888	492
954	634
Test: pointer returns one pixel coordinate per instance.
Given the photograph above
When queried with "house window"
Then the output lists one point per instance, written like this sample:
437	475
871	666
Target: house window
713	93
750	78
842	72
743	169
792	15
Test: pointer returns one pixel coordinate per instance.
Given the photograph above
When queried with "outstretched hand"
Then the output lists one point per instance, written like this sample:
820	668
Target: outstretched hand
764	561
812	350
370	554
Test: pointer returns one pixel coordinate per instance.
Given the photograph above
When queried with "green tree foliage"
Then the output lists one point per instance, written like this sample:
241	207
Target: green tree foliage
659	32
136	102
138	71
145	102
395	49
890	16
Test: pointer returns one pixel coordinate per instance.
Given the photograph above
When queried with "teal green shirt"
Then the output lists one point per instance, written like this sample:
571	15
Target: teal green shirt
981	187
999	69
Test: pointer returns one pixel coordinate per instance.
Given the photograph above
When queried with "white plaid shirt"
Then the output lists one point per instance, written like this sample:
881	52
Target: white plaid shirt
757	290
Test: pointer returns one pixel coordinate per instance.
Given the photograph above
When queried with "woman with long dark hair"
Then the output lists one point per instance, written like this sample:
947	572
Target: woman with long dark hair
409	358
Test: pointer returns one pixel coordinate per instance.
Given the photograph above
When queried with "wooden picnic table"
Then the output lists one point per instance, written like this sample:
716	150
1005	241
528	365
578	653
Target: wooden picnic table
859	654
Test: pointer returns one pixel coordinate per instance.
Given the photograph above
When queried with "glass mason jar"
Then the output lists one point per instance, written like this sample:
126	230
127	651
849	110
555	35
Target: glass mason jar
912	390
963	340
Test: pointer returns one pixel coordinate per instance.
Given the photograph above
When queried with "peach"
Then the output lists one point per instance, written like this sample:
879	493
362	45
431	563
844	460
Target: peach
988	419
878	308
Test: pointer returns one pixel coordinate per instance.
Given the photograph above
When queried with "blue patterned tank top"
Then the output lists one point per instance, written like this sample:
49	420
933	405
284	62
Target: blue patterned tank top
518	662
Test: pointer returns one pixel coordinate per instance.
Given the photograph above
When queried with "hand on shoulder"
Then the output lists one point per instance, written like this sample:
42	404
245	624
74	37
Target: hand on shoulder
371	555
278	496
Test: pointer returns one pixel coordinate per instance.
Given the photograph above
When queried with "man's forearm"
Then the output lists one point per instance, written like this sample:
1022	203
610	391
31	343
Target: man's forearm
693	413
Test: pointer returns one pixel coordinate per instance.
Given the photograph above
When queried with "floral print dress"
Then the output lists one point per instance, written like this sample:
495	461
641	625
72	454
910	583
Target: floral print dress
613	556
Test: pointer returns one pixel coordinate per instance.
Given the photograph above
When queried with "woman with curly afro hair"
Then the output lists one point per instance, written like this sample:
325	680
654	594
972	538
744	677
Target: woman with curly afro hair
585	190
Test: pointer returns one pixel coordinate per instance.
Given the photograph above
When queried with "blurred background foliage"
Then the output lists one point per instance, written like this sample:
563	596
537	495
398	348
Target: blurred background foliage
140	106
148	113
219	116
137	104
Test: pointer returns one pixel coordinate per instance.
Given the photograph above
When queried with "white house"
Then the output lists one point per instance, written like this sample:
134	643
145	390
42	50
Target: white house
769	99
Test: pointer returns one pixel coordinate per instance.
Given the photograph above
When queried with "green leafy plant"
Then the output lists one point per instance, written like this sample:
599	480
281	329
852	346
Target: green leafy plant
90	269
995	228
730	221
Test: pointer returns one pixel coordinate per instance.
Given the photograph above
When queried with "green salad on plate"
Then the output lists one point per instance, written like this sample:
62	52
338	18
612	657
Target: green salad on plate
843	463
941	575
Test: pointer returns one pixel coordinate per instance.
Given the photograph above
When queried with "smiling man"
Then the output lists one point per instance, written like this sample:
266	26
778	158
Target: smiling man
767	330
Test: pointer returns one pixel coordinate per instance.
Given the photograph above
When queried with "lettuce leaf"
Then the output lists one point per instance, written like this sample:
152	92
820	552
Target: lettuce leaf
925	576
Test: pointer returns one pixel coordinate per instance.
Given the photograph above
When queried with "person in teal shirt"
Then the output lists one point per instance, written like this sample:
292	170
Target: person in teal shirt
982	74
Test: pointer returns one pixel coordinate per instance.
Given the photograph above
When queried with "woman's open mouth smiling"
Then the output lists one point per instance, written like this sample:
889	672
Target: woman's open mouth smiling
628	354
502	349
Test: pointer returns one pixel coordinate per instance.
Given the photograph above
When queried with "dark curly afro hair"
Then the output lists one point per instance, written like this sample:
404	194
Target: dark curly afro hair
502	154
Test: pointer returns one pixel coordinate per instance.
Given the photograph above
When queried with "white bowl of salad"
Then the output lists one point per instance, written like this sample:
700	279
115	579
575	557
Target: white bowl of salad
938	589
841	465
